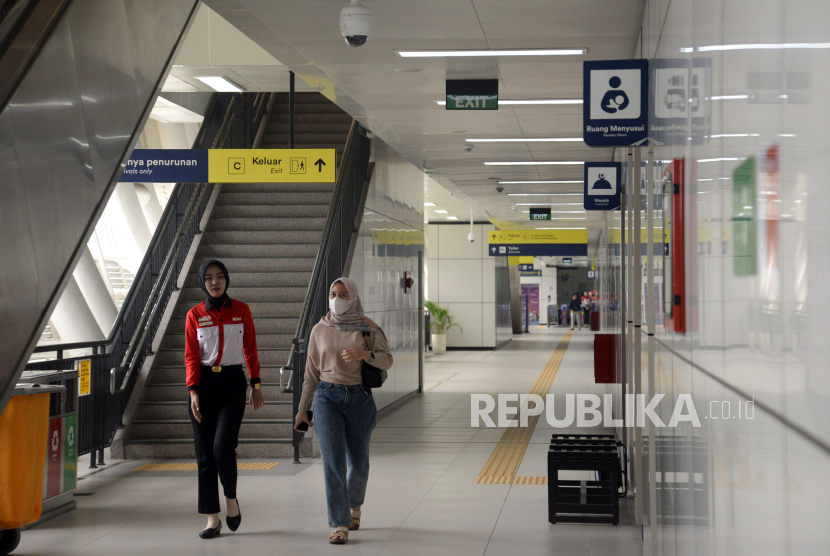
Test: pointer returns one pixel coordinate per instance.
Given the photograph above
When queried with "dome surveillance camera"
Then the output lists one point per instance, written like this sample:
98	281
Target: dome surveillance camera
471	237
468	148
500	189
356	23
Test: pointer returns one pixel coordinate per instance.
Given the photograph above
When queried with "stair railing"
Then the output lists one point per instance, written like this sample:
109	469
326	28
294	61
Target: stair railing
343	221
232	120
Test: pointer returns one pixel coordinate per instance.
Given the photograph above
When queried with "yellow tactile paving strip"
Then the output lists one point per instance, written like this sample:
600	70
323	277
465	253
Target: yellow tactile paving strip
530	481
193	467
504	462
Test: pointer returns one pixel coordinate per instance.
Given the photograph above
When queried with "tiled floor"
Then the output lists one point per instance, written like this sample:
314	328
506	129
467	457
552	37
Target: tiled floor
422	499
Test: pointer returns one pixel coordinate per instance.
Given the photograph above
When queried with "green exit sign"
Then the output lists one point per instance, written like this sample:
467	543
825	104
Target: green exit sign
472	94
540	214
472	102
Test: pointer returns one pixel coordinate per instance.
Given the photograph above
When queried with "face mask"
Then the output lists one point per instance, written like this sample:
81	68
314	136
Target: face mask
338	306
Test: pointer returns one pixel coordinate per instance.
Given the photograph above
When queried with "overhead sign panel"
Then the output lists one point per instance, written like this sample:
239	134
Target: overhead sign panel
680	103
602	185
230	166
615	102
472	94
549	243
540	214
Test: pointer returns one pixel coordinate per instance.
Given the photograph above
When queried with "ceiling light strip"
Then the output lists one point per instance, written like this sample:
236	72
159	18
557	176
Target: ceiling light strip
529	140
542	181
534	163
491	53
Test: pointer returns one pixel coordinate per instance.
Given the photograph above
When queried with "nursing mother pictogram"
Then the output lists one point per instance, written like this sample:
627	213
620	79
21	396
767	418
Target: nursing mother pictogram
615	94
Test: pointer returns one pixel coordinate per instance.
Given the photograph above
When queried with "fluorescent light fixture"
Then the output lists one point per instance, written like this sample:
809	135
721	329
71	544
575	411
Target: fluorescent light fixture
452	218
719	159
221	84
782	135
429	204
561	228
546	204
734	135
731	97
491	53
763	46
542	163
539	194
442	211
543	181
526	102
529	140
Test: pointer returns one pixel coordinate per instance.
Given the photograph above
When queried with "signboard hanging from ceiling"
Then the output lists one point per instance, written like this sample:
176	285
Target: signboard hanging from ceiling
472	94
538	243
540	214
230	166
615	102
602	185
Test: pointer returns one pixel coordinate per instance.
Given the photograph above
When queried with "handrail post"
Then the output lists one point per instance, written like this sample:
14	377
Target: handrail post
290	109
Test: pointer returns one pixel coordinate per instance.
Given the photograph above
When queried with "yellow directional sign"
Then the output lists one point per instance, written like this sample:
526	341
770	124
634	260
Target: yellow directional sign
271	165
539	236
84	369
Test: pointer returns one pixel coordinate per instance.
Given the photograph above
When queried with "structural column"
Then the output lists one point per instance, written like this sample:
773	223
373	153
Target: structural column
95	292
134	235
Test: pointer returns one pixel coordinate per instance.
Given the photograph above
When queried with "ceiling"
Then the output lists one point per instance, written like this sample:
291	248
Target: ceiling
401	108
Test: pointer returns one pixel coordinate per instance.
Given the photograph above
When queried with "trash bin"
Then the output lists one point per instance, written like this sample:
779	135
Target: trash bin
24	429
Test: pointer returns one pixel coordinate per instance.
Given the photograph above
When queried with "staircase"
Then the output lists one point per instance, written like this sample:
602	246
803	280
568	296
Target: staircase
268	236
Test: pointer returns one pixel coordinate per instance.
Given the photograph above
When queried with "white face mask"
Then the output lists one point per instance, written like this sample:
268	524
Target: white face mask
338	305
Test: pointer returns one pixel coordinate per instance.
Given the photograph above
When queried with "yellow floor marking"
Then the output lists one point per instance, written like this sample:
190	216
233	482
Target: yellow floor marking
530	481
504	462
193	466
442	382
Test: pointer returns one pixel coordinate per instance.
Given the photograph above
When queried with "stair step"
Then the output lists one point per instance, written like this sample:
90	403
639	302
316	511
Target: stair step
183	448
278	188
178	410
274	310
175	374
310	128
321	142
271	198
258	251
309	108
267	356
177	429
258	279
268	223
300	212
301	119
219	237
174	392
251	294
264	341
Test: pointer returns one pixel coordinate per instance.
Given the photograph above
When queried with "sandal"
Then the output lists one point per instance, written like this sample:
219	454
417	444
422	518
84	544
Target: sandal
339	536
355	519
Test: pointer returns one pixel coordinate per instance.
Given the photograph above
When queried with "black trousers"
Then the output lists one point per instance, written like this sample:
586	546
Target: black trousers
222	400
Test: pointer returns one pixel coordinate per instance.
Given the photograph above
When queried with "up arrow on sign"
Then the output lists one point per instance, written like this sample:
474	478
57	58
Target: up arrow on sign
319	164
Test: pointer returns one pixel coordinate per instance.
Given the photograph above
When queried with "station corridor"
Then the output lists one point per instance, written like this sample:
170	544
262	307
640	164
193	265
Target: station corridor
422	497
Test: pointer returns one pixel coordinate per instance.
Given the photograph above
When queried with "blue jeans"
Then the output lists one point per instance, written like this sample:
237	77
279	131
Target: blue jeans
345	417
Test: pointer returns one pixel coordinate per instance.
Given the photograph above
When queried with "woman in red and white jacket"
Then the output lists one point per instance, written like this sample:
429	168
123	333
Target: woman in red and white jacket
219	333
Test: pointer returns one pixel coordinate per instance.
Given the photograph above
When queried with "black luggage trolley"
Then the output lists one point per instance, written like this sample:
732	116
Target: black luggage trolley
571	501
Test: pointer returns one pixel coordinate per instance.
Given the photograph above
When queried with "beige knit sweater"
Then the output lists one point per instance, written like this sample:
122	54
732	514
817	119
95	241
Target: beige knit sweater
325	362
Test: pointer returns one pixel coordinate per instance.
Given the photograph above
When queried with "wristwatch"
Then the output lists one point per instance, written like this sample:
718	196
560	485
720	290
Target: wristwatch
257	386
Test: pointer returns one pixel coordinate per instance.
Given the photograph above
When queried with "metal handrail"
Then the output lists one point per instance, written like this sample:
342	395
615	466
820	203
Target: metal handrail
317	272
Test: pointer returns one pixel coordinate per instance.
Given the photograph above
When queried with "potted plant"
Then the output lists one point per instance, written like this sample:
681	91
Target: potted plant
440	321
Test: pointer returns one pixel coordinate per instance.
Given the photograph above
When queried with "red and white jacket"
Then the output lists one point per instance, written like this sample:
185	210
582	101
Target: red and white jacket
220	337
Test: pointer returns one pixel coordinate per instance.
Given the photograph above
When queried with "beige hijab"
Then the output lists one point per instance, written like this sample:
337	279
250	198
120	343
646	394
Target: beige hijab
353	318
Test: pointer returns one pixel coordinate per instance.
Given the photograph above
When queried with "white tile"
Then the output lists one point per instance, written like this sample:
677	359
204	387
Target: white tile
469	316
453	244
459	281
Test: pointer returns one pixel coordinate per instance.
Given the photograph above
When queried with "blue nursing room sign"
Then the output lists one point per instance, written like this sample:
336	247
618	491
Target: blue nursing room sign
615	102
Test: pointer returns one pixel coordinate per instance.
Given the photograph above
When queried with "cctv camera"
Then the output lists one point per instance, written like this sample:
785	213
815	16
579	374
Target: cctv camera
471	237
356	23
468	148
499	189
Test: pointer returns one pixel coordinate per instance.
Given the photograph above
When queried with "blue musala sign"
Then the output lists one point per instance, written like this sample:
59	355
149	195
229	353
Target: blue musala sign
602	185
615	102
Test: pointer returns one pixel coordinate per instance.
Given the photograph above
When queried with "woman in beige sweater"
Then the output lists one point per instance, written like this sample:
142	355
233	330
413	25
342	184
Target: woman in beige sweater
344	410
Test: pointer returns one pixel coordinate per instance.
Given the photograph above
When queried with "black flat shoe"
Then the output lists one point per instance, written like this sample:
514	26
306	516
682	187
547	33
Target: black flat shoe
234	522
210	533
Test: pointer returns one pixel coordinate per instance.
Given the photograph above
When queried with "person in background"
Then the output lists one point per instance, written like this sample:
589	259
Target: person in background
586	308
344	409
574	309
219	333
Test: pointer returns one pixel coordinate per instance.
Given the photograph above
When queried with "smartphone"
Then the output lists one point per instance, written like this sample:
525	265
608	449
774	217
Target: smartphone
303	427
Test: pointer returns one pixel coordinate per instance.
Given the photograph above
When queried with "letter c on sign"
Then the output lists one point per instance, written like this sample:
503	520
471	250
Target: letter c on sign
236	166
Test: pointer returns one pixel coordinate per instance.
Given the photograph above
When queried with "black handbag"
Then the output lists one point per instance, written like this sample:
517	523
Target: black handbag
372	376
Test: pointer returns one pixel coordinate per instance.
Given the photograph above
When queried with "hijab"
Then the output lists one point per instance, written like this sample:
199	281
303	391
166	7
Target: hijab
217	302
353	318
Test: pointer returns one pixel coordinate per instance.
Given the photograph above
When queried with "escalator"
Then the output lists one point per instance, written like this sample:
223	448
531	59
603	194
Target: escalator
77	82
